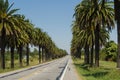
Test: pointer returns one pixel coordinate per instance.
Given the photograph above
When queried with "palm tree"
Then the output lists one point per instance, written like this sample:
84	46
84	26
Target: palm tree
22	40
44	45
49	48
117	18
7	25
29	31
22	37
95	14
106	19
76	46
38	41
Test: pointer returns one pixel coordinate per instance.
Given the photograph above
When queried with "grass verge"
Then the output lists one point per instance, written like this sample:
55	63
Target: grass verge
32	62
106	71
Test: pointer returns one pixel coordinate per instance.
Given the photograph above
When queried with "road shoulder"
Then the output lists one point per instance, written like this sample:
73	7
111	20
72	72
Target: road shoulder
71	73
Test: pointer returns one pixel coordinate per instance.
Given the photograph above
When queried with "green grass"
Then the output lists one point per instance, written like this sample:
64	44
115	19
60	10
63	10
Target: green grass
106	71
33	61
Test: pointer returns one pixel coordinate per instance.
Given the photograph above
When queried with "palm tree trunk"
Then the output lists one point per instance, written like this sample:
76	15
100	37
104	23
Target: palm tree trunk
79	52
46	55
97	30
42	54
118	55
117	17
86	54
91	60
3	48
39	54
12	57
27	54
2	57
20	55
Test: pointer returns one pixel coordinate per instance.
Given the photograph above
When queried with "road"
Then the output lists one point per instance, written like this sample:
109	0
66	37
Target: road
71	73
48	71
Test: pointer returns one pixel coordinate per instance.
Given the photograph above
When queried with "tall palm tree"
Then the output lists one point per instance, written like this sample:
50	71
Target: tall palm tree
49	48
22	37
38	42
104	16
7	25
96	14
117	18
44	45
22	40
29	31
76	46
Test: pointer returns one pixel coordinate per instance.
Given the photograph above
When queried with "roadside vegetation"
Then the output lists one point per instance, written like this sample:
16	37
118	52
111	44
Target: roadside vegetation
106	71
33	60
95	56
18	35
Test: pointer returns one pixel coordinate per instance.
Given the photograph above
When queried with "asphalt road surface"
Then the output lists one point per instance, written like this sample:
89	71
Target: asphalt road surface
48	71
71	73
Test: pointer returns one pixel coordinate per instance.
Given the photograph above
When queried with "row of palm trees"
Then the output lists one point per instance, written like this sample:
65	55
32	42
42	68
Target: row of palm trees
17	32
94	19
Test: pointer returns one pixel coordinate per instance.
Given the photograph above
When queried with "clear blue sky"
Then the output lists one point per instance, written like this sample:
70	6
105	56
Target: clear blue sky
53	16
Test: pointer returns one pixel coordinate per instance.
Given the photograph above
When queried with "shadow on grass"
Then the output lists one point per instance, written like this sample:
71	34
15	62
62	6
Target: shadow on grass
83	66
97	73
